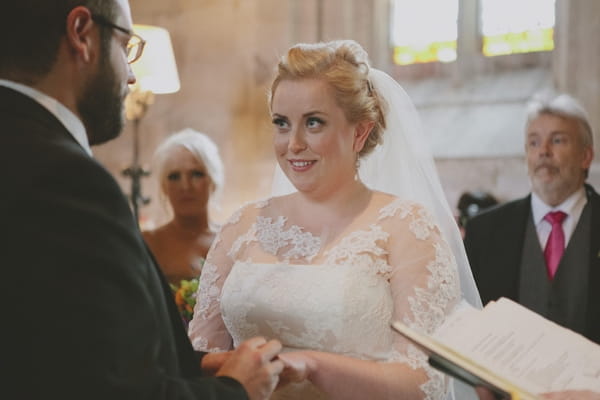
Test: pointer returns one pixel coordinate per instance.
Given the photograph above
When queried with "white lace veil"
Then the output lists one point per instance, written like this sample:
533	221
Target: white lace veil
403	165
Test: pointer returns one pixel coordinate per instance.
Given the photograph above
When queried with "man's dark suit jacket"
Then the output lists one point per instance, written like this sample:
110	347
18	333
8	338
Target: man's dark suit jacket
494	243
86	314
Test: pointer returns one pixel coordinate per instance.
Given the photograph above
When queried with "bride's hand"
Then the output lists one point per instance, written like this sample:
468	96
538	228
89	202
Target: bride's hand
296	368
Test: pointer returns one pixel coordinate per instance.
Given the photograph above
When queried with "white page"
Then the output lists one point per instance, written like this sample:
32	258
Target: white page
524	347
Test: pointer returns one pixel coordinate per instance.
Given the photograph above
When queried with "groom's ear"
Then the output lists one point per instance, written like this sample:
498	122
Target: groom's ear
82	42
362	130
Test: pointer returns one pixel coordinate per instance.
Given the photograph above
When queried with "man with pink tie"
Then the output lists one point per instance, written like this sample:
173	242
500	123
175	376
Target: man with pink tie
543	250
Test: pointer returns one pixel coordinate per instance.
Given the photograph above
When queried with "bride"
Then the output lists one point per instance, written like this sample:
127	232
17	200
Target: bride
362	238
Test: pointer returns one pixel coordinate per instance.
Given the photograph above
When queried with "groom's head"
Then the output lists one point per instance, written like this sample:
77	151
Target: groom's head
76	51
31	32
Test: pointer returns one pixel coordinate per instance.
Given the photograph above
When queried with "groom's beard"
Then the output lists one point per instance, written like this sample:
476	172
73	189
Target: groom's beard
101	104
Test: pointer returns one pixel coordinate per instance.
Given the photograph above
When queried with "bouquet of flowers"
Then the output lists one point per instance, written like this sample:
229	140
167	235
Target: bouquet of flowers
185	298
185	293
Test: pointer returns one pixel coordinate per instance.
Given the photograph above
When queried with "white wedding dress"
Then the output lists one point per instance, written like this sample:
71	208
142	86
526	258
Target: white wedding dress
267	275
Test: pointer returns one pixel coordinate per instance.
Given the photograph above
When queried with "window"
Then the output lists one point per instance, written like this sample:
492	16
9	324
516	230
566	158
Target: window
424	31
516	26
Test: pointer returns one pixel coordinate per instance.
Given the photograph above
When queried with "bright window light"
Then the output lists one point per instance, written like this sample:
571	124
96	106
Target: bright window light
517	26
424	31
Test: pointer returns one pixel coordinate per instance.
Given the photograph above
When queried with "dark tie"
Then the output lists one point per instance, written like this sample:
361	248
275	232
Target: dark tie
555	246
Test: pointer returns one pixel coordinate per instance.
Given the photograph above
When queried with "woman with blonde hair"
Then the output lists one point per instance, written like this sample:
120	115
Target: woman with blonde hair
190	173
358	235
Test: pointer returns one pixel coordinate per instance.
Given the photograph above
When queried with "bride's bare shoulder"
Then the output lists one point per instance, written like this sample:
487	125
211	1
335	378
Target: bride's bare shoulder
278	200
382	199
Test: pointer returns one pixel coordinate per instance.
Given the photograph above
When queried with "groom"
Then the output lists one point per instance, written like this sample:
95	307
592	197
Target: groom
86	313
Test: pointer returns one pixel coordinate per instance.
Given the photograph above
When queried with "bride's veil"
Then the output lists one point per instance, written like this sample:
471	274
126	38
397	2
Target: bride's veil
403	165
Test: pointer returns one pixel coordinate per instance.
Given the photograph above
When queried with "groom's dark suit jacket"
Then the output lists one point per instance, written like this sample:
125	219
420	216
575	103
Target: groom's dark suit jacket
494	243
86	312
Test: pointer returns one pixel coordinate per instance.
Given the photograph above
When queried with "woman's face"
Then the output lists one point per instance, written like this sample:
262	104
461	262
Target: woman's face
186	183
314	143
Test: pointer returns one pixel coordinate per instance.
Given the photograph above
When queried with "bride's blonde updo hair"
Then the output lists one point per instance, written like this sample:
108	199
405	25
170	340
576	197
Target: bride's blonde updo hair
345	66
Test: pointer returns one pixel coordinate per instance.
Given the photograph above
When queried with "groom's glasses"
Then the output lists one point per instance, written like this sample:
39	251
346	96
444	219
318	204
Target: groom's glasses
135	46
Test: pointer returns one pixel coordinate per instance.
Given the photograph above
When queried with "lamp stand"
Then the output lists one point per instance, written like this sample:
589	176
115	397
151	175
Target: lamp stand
139	101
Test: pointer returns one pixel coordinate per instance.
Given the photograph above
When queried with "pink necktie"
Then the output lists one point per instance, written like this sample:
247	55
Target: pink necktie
555	246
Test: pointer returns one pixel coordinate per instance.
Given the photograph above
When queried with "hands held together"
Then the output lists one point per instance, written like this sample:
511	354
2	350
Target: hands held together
258	366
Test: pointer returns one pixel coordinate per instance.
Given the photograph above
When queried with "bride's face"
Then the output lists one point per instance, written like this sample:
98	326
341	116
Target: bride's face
314	143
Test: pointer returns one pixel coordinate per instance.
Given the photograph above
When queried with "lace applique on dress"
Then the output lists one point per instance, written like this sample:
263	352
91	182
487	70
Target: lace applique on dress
422	221
209	294
240	241
355	247
208	291
422	224
201	344
215	242
238	316
261	203
429	306
272	237
402	206
435	387
313	334
235	217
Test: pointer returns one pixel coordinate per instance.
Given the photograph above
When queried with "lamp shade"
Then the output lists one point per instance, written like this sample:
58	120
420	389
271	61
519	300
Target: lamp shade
156	70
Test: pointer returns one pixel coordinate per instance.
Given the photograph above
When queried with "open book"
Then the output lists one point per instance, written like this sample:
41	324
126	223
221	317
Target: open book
511	350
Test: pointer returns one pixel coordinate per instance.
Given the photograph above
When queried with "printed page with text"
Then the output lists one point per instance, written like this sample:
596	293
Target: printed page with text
511	350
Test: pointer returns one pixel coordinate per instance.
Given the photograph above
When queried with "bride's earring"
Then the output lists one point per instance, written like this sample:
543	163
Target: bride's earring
356	167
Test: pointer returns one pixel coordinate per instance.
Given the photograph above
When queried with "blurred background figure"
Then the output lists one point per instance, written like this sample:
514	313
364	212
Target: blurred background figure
471	203
191	176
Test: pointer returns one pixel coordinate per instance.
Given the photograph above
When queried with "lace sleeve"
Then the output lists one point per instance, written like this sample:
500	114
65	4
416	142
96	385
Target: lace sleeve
424	283
206	330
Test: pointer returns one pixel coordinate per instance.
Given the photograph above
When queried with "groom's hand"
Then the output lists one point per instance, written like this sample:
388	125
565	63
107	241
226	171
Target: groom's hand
255	365
212	362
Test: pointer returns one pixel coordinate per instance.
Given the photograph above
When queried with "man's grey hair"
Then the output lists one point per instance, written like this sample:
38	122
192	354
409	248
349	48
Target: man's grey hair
562	105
